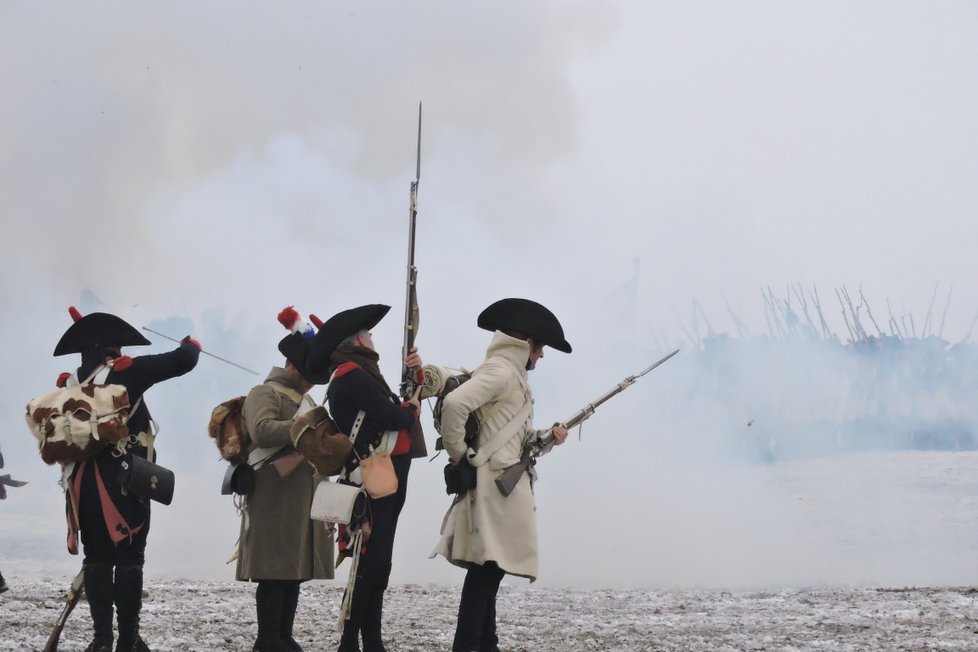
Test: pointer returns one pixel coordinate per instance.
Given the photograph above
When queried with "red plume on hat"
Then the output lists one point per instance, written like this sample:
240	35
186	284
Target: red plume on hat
293	321
295	345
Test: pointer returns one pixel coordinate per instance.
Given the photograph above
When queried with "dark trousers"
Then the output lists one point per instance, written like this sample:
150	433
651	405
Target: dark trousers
373	573
96	543
476	628
276	602
113	571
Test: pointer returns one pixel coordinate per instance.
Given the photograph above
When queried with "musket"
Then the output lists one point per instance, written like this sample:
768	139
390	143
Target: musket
800	295
947	305
930	312
508	479
74	594
216	357
869	313
410	380
821	317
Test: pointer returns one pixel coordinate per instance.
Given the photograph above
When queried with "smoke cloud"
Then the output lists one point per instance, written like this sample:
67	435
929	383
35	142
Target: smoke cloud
641	168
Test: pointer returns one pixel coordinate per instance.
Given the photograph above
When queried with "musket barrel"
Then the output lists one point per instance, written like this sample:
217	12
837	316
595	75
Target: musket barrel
411	314
589	409
510	476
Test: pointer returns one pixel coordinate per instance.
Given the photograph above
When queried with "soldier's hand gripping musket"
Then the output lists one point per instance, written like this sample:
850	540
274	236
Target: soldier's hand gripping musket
507	480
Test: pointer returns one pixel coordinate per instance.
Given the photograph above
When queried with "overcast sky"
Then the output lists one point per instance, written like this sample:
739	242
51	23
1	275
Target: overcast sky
197	167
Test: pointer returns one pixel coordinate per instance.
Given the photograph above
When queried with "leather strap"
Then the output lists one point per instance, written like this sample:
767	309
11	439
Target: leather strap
258	456
511	429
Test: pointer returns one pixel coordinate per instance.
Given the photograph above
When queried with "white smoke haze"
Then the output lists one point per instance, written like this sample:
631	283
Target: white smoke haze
641	168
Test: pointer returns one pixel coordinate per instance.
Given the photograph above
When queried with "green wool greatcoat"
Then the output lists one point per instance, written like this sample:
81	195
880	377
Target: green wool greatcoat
278	539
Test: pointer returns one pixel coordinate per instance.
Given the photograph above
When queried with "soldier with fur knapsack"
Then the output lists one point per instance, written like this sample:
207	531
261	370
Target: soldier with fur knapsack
114	523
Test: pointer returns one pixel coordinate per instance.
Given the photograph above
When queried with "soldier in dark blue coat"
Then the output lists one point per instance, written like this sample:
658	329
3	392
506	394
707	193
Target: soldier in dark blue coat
114	523
344	345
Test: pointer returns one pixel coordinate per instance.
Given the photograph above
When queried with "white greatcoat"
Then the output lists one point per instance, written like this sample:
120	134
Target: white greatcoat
483	525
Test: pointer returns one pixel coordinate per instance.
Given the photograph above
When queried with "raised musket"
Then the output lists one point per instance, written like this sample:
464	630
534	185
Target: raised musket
411	381
508	479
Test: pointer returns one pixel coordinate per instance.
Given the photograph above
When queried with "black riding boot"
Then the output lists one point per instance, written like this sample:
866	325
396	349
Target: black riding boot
128	603
269	599
290	602
488	641
98	591
476	608
373	616
372	641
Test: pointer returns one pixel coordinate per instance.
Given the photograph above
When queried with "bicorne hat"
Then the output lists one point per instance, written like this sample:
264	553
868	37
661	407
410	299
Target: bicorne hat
526	317
339	327
97	329
296	345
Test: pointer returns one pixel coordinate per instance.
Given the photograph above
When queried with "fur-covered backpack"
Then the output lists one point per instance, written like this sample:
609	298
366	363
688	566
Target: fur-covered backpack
227	431
74	422
314	434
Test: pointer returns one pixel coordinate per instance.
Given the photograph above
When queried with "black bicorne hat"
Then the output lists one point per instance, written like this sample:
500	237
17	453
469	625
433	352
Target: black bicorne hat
526	317
339	327
296	348
98	329
296	345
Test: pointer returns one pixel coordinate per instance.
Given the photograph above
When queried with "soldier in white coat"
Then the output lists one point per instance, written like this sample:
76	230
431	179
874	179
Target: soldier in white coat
484	531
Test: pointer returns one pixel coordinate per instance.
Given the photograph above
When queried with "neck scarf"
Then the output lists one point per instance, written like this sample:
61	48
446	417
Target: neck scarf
365	358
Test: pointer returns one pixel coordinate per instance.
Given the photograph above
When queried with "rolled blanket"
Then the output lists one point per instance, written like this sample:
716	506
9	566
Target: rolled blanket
435	377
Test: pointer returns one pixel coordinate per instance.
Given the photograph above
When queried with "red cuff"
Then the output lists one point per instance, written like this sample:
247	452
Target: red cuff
192	341
413	408
121	363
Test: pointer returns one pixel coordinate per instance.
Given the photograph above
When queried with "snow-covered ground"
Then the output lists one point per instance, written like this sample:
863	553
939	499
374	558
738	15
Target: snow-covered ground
200	616
805	554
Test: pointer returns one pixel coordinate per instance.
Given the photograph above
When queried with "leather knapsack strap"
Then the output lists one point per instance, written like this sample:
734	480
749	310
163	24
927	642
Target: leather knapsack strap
388	439
501	438
296	396
355	476
511	429
258	456
106	368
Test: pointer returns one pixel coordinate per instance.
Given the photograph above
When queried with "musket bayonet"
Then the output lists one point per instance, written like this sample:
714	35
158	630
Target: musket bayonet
507	480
